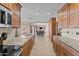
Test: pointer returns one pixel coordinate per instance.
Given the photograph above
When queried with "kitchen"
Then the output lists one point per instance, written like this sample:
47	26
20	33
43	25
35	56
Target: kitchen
18	38
12	41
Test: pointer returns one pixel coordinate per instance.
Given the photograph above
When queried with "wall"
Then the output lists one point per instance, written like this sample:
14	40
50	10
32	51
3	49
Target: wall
44	25
71	33
9	31
25	28
47	31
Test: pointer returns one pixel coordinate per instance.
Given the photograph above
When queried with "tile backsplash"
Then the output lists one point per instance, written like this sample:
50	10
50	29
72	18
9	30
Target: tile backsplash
9	31
71	33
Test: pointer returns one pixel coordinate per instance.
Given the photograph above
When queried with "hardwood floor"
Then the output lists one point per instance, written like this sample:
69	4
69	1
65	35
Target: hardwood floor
42	47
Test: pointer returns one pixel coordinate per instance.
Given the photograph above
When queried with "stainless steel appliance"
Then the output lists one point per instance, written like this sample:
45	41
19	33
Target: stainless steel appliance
2	17
5	17
9	19
11	50
8	50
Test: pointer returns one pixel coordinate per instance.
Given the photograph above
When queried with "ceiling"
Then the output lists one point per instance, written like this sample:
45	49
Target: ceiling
39	12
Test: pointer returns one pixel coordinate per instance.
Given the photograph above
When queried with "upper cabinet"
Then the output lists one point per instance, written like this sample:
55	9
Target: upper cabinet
16	21
77	12
59	19
69	15
65	16
72	15
7	5
16	15
15	9
52	28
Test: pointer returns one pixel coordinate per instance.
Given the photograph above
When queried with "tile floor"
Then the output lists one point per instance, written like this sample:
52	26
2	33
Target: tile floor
42	47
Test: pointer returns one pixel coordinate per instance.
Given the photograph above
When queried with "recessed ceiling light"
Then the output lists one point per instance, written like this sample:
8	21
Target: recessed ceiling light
48	13
37	13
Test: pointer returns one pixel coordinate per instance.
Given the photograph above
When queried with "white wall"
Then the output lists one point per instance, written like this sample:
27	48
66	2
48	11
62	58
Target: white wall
47	30
25	27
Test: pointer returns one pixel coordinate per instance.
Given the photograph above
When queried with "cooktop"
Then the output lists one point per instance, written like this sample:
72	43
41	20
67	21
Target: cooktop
9	50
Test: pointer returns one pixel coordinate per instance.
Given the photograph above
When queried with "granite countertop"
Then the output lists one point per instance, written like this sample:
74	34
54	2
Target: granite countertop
17	41
74	43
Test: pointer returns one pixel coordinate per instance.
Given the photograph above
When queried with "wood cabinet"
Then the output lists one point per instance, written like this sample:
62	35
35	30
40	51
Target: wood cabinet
52	28
15	8
72	15
77	12
62	49
65	16
59	19
16	11
72	21
72	7
65	50
27	47
6	5
69	16
15	21
57	48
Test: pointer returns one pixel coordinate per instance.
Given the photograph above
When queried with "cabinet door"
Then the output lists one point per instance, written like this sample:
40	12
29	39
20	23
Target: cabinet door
15	21
73	20
64	22
72	7
60	20
72	15
58	49
30	45
25	48
77	14
65	50
57	46
77	19
16	9
7	5
65	16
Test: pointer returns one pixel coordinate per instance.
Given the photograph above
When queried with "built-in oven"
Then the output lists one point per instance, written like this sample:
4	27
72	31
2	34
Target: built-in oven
8	19
5	17
2	16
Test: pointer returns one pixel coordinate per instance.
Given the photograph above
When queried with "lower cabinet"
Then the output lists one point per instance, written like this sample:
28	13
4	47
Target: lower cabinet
62	49
27	47
57	48
65	50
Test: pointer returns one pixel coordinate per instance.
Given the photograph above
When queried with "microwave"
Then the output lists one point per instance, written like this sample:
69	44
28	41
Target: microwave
2	17
5	18
8	19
